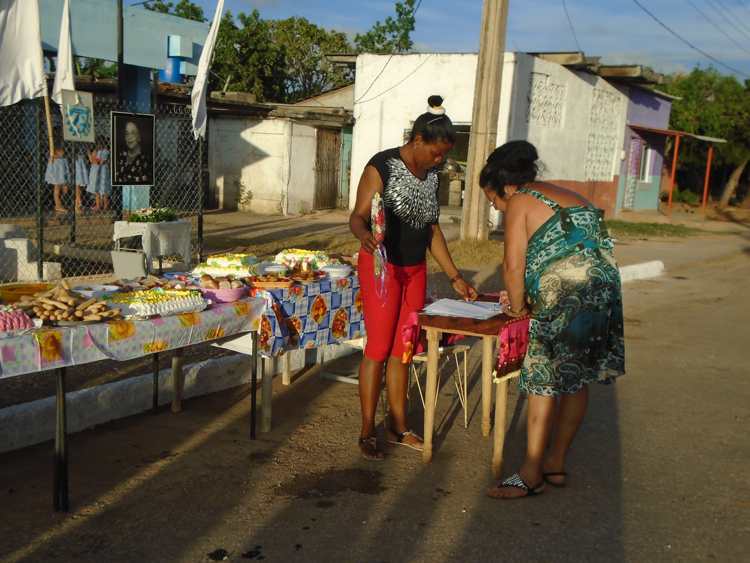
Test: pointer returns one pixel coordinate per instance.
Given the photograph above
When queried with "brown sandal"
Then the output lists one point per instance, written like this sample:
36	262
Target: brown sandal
368	447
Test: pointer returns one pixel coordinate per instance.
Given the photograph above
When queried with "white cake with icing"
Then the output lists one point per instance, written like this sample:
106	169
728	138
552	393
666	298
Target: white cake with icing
159	302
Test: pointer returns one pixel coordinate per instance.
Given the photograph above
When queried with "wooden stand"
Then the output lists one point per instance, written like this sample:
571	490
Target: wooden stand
488	330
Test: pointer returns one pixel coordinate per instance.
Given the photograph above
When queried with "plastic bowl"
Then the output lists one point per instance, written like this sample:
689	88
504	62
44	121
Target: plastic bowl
12	293
337	271
275	269
224	295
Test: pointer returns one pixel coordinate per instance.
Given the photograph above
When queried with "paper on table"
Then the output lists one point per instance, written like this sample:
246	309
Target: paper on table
457	308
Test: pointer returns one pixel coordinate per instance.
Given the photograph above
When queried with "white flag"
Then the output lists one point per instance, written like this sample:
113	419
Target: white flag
64	77
198	96
21	66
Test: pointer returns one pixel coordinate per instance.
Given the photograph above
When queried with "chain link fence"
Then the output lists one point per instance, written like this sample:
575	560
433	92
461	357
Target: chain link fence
36	242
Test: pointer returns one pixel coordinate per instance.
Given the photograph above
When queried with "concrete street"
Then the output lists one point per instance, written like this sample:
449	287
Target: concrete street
658	472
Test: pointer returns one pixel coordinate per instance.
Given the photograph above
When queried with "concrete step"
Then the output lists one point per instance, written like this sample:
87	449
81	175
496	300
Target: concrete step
50	271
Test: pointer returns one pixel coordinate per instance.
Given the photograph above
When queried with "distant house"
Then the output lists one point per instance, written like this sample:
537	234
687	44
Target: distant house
278	159
583	117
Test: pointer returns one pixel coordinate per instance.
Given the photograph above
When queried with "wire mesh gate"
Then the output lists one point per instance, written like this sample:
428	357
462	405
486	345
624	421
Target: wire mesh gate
32	233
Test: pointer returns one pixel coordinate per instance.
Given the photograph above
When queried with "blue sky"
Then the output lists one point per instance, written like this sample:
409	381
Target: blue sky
617	30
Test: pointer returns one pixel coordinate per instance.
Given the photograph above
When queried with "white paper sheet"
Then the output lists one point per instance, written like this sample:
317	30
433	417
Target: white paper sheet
456	308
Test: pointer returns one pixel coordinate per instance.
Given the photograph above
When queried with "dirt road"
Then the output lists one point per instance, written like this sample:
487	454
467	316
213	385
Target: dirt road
658	473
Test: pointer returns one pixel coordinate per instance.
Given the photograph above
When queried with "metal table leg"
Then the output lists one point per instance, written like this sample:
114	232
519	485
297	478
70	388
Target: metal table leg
253	382
178	380
155	395
61	447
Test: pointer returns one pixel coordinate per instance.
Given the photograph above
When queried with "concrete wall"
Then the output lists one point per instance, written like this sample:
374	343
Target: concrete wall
93	29
405	85
262	166
575	119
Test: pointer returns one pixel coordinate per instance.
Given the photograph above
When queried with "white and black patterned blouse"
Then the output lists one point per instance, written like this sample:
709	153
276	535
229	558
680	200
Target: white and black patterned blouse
411	208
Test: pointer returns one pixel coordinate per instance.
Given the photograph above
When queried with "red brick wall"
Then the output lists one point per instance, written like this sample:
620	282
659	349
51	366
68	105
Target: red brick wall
601	194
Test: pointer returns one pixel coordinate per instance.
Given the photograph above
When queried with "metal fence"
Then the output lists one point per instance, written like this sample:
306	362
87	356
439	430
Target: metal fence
37	242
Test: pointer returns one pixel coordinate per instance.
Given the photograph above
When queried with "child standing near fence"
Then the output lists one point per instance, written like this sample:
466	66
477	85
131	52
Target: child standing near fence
100	180
82	178
58	174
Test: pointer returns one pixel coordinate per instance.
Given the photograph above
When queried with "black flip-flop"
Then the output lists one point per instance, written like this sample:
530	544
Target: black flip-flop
554	474
515	481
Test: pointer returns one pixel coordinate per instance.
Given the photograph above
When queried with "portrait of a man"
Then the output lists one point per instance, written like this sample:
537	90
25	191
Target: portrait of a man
133	149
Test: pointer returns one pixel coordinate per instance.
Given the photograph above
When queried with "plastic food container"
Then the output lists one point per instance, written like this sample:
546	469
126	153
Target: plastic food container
337	271
13	292
279	269
95	290
224	295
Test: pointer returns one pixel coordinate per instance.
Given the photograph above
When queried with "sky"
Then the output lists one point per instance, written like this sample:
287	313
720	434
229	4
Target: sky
616	30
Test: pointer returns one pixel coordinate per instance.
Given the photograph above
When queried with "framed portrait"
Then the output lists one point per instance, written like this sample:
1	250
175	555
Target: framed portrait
132	149
78	116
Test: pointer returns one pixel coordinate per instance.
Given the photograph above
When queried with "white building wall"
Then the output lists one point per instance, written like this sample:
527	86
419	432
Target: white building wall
255	163
400	94
575	119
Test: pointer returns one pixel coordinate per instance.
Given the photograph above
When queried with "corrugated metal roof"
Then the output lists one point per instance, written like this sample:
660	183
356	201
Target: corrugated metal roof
674	133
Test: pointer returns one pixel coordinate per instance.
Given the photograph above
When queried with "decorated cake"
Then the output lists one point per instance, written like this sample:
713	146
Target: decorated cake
232	260
158	301
222	265
296	258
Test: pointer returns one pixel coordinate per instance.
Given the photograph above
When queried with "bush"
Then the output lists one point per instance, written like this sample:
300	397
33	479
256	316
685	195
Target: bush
682	196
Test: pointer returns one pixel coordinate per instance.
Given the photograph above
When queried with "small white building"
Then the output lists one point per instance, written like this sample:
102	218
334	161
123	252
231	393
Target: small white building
562	103
278	159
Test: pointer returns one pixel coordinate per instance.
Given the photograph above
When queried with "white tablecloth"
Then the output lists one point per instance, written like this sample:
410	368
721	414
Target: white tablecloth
159	239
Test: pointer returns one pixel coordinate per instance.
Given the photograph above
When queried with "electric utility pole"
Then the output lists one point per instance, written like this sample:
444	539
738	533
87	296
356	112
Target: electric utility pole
483	138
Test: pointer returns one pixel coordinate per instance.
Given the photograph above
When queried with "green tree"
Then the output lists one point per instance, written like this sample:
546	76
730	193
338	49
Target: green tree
392	35
246	58
714	105
184	9
305	46
95	68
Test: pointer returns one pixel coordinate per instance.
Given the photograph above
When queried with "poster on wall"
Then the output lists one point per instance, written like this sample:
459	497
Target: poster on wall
78	116
132	149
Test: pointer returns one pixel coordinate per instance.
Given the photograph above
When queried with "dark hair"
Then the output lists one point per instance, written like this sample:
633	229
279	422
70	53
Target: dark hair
434	127
513	163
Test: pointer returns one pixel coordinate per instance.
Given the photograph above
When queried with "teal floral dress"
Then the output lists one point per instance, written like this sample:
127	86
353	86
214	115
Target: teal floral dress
573	289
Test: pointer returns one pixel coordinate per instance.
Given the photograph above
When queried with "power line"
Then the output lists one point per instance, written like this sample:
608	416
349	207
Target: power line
709	20
688	43
738	20
404	79
382	70
734	26
572	29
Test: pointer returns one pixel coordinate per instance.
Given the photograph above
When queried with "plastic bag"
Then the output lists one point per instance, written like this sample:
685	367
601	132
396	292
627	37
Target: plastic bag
377	220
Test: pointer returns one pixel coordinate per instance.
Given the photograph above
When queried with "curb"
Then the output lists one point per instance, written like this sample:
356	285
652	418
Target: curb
642	271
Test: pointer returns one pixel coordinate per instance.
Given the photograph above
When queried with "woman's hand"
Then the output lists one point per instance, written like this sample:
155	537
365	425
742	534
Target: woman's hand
464	289
504	299
368	242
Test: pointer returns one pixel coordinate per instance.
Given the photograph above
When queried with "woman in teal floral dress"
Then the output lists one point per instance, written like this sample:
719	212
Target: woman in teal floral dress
559	269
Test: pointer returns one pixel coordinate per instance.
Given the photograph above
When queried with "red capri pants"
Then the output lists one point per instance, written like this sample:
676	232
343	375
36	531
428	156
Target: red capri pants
384	318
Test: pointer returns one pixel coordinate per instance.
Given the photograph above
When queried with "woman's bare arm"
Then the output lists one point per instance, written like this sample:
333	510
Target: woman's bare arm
359	221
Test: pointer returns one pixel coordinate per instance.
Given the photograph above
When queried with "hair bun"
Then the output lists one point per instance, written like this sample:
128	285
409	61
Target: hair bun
435	105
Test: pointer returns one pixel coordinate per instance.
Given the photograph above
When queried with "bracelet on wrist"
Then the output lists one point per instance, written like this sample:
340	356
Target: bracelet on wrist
455	278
